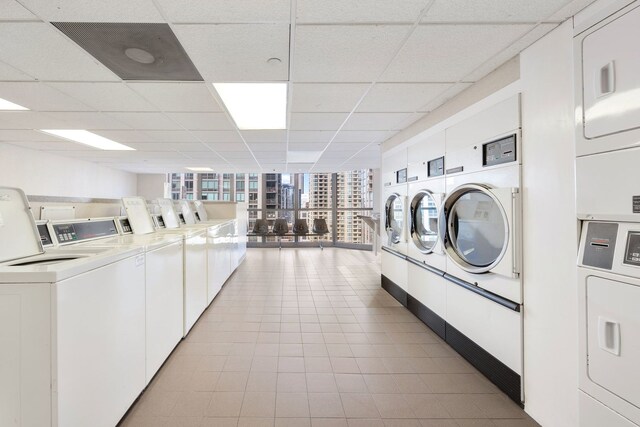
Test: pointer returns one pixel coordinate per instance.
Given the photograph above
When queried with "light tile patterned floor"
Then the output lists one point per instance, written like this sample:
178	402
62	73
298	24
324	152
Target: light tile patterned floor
303	337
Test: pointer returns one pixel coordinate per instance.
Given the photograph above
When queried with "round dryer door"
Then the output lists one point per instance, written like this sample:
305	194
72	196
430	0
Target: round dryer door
476	228
394	218
424	221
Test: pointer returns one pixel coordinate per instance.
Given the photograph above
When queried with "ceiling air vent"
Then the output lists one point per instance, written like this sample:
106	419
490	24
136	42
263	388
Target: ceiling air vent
134	51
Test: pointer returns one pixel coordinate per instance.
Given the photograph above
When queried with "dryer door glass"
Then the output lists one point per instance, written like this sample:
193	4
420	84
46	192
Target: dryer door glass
477	228
424	215
394	212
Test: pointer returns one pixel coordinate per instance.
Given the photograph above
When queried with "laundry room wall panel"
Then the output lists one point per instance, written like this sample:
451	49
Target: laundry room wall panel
151	185
46	174
550	230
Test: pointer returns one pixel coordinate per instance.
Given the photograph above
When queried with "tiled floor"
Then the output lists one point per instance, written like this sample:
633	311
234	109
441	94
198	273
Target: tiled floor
303	337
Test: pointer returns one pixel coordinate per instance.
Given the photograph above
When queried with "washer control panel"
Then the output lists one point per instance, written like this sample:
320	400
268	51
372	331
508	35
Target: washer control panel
45	236
86	230
632	253
125	226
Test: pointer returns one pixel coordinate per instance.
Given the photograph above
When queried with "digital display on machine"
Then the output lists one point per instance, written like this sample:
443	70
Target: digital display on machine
125	225
80	231
500	151
632	254
45	237
401	176
160	221
435	167
181	216
197	216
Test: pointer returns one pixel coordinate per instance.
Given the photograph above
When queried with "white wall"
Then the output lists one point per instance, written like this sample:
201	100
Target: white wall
550	230
151	186
44	174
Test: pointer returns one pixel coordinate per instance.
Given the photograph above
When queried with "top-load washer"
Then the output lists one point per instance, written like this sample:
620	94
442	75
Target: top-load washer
72	323
425	254
395	237
194	257
480	226
164	305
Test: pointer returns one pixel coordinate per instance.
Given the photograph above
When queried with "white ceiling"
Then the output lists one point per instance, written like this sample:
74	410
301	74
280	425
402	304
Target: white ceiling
358	72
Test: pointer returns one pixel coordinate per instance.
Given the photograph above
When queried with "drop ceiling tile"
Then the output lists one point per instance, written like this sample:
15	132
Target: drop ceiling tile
89	120
361	136
268	146
401	97
271	156
307	146
11	10
338	156
521	44
170	136
375	121
202	121
25	136
332	11
310	136
146	120
446	53
334	53
30	120
38	96
178	96
225	11
9	73
264	135
59	145
239	52
299	167
236	155
317	121
41	51
112	96
92	11
203	156
347	146
326	97
493	10
167	146
217	135
125	136
226	146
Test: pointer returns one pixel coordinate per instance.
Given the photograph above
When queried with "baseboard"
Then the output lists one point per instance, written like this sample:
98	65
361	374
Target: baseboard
394	290
497	372
427	316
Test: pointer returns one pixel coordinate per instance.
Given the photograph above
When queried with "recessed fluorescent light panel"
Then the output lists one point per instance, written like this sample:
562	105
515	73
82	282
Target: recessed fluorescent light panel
87	138
8	105
255	105
200	169
303	156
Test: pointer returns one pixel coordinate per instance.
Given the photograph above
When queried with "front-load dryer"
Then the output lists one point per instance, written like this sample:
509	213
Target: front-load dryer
72	324
395	235
480	227
425	254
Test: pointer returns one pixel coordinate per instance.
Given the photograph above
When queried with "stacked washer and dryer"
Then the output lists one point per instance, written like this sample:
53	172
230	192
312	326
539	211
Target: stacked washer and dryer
459	235
608	204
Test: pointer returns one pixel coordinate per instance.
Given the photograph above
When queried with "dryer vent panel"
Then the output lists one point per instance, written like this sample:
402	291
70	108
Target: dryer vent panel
134	51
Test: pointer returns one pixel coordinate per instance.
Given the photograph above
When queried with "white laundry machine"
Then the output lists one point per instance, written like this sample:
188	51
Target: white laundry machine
164	299
480	227
427	287
395	235
608	203
71	322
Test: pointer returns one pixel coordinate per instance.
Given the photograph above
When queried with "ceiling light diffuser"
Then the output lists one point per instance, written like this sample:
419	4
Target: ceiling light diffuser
303	156
87	138
255	106
200	169
8	105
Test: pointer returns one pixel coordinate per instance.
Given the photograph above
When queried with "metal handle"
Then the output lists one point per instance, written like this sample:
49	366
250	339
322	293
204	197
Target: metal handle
609	335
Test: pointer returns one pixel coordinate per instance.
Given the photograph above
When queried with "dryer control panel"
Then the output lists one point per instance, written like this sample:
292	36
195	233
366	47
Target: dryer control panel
500	151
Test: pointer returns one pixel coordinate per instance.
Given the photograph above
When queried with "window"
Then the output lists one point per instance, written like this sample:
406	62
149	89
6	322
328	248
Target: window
239	197
239	185
253	185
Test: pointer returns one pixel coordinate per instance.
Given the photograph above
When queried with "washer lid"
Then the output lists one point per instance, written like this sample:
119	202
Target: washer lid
18	231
